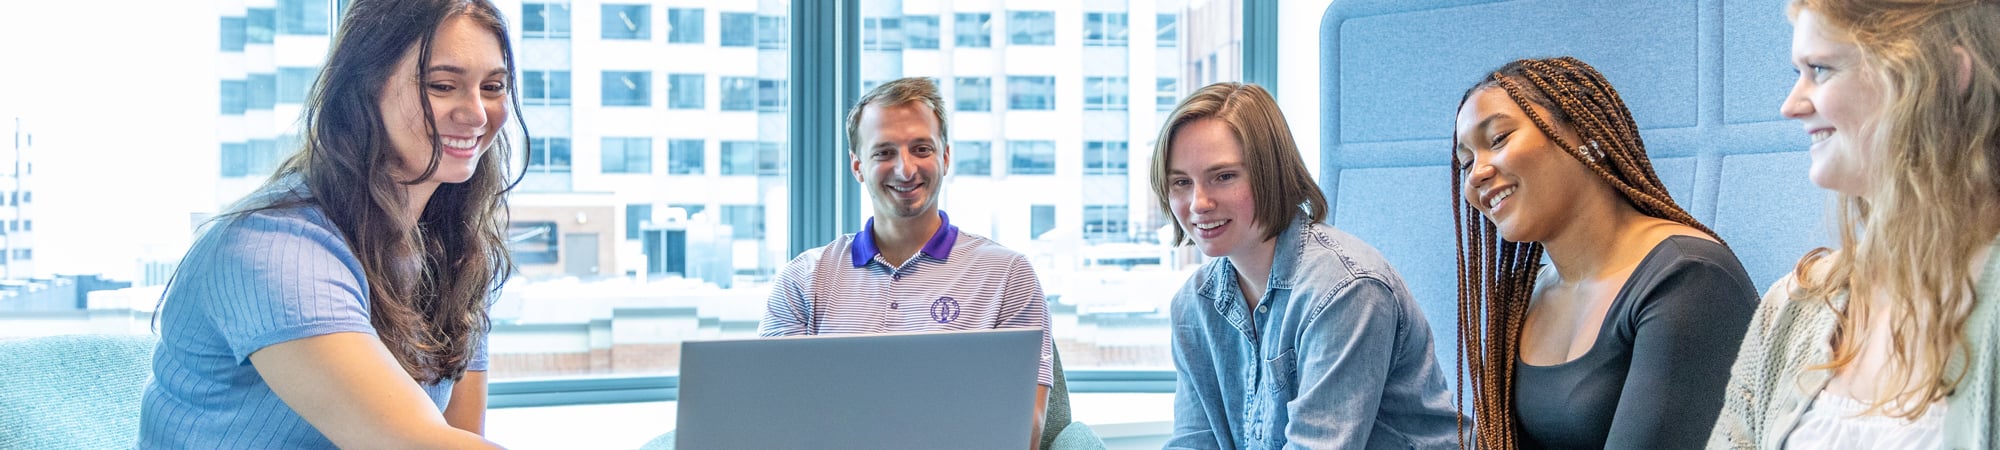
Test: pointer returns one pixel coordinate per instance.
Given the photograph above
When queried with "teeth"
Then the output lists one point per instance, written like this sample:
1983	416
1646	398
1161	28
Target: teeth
1495	202
905	188
459	143
1821	135
1210	225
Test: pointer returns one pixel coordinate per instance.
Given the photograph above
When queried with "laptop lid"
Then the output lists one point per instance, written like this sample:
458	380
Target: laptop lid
953	389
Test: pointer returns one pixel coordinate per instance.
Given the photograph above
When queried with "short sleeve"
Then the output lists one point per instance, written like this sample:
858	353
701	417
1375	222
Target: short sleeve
275	276
1024	290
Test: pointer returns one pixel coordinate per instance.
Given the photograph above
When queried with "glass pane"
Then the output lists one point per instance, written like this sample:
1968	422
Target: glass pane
1049	156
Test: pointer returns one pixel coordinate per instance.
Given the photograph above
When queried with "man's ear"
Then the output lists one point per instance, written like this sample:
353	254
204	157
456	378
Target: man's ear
1964	80
946	170
854	166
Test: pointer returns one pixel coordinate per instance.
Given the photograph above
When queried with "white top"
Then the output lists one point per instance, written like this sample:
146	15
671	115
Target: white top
1834	422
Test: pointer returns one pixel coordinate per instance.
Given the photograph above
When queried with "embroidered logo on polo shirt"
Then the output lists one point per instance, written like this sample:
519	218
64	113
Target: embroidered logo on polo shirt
944	310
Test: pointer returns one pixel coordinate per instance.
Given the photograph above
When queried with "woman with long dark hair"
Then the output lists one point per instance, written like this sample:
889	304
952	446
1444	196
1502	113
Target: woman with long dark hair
1624	340
344	302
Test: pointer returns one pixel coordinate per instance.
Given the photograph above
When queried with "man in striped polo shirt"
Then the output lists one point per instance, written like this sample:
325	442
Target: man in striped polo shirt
908	269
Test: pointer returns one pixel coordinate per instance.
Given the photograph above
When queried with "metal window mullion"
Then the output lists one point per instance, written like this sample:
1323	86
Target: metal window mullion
1260	44
825	72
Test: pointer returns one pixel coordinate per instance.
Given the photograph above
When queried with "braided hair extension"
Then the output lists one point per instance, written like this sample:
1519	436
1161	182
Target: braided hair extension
1497	277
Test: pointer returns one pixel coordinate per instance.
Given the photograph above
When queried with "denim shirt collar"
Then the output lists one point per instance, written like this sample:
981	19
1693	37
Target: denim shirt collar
1220	286
939	247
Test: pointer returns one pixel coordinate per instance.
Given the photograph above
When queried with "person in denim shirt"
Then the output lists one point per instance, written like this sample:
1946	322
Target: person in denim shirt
1291	336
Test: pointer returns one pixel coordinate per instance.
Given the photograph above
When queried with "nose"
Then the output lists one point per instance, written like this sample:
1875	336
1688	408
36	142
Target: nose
467	109
1798	104
1479	174
1198	201
905	168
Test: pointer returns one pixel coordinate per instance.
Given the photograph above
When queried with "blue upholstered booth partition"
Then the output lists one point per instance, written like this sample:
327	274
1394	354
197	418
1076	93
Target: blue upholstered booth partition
1703	78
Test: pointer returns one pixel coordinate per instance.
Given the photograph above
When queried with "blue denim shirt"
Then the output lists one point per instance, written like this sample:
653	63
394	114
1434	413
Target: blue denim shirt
1336	356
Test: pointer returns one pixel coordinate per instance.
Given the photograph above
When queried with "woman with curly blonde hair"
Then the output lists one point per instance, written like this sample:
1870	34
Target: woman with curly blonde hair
1890	340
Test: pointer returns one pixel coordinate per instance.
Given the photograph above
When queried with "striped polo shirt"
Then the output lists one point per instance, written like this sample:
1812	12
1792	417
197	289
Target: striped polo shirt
959	281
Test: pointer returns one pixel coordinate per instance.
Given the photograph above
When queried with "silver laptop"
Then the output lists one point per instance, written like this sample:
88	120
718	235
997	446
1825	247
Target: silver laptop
957	389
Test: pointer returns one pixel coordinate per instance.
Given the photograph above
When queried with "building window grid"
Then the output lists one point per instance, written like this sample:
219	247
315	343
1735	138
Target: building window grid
686	156
1103	223
545	20
972	158
739	29
1106	158
302	17
545	87
972	30
628	88
627	22
973	94
686	25
1033	93
629	155
882	33
1031	28
922	32
739	93
687	91
549	155
1031	157
1105	93
1167	94
1168	30
1106	29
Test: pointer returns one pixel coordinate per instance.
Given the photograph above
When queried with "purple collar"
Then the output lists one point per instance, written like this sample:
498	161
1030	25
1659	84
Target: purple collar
938	247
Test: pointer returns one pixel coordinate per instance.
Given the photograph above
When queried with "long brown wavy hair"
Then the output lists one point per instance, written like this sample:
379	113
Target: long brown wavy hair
428	282
1935	197
1496	277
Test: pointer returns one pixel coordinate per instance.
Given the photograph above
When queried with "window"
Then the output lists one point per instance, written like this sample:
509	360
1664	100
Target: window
739	93
1031	28
739	158
922	32
551	154
1031	93
684	156
623	88
235	159
770	95
974	94
686	91
1106	222
263	156
532	242
628	155
1168	94
972	30
235	97
233	36
684	25
739	29
260	26
1105	29
637	216
772	32
1169	30
1041	219
545	87
972	158
1105	158
745	221
628	22
882	33
1104	93
1031	157
295	83
302	17
769	159
690	208
24	253
545	20
263	90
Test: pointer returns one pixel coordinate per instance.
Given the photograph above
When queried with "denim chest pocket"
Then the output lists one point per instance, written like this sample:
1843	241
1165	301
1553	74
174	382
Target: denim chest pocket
1280	371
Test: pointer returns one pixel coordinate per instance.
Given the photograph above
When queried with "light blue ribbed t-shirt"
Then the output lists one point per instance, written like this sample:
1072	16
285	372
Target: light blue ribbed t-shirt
249	282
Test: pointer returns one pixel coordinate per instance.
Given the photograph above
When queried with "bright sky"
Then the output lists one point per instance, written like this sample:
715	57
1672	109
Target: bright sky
121	98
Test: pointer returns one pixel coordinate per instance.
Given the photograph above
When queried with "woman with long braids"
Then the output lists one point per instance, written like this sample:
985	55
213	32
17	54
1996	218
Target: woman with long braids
1625	340
1893	339
344	302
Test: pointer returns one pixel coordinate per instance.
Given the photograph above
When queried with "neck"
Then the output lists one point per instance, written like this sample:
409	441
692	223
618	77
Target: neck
416	197
1253	271
900	238
1593	249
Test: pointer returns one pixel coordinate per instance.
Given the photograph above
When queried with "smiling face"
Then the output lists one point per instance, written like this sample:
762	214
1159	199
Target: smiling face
1838	98
901	161
1209	191
466	84
1514	174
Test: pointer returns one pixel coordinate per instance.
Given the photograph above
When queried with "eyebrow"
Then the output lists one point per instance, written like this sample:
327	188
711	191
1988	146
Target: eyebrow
456	70
1209	169
1484	124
